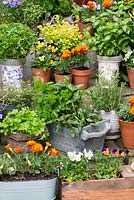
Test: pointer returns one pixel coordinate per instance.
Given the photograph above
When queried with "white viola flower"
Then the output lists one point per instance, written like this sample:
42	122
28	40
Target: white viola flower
88	154
128	54
78	156
71	155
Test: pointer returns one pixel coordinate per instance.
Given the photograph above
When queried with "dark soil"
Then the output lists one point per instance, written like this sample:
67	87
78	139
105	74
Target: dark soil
25	177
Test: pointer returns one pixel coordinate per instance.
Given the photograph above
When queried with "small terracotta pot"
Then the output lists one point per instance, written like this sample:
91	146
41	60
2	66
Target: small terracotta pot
80	2
127	133
61	77
40	74
82	27
130	72
81	76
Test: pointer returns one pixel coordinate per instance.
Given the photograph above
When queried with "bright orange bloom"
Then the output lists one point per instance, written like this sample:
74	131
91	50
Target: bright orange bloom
37	148
48	144
17	149
79	49
131	110
107	3
53	151
131	100
30	143
91	5
8	146
66	54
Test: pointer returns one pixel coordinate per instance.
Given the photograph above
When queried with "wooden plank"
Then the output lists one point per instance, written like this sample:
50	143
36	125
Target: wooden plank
124	194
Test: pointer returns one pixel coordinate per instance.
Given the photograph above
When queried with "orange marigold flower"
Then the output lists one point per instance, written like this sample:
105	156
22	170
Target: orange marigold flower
17	149
107	3
80	49
91	5
30	143
66	54
37	148
48	144
8	146
131	100
53	151
131	110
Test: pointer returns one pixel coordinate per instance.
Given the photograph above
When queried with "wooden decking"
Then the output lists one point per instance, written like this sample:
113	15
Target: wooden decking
122	194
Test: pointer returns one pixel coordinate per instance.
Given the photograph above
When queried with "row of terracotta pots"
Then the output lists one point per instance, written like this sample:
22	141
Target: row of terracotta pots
79	76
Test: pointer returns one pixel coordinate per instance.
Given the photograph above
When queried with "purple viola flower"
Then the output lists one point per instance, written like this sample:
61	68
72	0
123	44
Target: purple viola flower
104	148
12	3
114	150
127	151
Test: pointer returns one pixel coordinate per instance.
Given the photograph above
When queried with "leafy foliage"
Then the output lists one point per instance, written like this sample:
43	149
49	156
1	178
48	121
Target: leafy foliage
114	31
16	40
106	95
22	121
39	160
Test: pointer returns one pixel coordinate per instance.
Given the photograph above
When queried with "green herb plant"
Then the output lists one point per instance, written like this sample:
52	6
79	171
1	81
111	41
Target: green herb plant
16	40
23	121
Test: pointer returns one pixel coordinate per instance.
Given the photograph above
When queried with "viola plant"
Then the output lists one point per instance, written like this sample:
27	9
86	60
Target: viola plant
75	166
45	55
41	161
108	162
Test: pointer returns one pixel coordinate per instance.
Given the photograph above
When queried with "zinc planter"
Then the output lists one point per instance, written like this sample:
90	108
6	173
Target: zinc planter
26	190
11	72
92	137
113	119
108	66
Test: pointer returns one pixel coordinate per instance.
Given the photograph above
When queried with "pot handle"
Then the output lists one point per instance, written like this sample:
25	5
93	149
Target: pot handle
85	135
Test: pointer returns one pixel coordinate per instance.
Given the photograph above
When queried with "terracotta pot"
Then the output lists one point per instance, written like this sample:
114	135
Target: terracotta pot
127	133
82	27
81	76
130	72
61	77
40	74
80	2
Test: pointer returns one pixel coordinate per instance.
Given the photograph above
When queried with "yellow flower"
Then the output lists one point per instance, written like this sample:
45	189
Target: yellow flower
39	45
48	144
40	27
52	62
29	163
42	58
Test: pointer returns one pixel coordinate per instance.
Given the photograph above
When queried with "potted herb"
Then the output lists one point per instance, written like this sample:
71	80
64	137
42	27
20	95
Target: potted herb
12	97
16	41
126	122
106	98
113	35
25	171
20	125
60	106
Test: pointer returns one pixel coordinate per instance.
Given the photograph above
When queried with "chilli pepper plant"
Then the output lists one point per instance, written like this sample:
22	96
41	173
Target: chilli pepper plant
40	162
